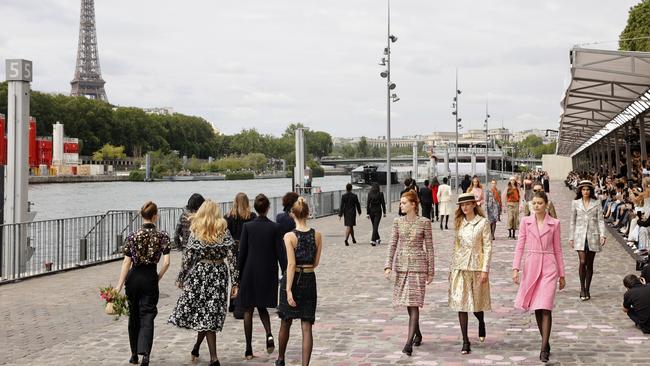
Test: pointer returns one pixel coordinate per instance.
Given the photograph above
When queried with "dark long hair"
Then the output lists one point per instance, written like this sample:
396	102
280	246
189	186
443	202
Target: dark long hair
435	182
592	193
374	192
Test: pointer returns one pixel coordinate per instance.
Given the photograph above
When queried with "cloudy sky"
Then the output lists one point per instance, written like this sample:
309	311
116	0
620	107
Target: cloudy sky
265	64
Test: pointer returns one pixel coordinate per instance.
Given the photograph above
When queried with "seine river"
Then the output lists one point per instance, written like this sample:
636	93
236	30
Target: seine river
54	201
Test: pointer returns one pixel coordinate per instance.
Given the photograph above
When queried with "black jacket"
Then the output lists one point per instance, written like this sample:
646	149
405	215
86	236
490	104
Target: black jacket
425	196
375	204
261	249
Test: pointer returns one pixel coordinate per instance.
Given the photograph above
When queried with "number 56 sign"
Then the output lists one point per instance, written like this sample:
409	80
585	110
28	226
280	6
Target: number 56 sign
19	70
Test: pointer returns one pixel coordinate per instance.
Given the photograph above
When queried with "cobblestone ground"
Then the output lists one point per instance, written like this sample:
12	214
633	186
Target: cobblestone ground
59	320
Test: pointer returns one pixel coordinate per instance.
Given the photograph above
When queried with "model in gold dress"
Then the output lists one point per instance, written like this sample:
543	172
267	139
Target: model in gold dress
469	287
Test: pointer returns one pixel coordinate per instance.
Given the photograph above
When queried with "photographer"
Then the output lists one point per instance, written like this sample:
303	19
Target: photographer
636	301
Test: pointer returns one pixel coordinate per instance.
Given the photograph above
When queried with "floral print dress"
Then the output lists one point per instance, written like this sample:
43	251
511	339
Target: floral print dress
206	272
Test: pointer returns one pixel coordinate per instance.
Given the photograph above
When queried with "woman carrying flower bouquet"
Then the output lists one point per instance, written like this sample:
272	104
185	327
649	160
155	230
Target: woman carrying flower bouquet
209	263
142	252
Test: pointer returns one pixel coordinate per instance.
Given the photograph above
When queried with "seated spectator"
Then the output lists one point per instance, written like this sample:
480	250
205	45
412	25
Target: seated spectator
636	301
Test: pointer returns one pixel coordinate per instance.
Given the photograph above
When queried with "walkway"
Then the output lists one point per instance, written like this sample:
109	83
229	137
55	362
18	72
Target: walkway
59	320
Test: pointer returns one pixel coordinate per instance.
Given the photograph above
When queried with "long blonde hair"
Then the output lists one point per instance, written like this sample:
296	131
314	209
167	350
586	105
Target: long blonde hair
207	223
240	207
471	186
459	216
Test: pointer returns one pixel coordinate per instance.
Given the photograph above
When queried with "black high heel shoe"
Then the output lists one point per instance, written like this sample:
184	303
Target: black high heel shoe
481	332
195	354
354	241
145	360
346	242
270	345
543	356
134	359
587	295
249	353
583	297
279	362
417	339
215	363
466	348
408	349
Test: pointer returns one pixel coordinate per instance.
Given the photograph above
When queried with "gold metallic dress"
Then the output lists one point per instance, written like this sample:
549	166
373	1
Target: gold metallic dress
471	256
410	253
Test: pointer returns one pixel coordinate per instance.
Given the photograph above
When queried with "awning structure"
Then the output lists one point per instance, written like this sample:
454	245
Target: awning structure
607	90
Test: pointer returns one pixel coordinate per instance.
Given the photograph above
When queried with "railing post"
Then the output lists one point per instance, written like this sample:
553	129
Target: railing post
83	250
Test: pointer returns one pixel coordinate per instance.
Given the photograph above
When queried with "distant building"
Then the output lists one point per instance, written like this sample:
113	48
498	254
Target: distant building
520	136
165	111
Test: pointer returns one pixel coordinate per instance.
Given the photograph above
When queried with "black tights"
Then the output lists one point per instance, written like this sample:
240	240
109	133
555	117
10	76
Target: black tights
212	343
493	228
463	320
414	323
444	218
248	323
349	231
544	322
307	340
586	269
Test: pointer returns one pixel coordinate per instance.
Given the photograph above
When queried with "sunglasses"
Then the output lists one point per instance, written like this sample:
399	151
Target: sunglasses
537	190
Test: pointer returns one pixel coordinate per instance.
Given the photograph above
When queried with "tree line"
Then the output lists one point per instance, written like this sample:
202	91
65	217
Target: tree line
98	123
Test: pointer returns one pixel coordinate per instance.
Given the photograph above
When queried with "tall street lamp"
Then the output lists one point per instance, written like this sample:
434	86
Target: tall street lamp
487	140
457	121
390	98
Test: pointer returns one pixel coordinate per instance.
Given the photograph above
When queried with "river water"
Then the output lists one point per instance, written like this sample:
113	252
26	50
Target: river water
54	201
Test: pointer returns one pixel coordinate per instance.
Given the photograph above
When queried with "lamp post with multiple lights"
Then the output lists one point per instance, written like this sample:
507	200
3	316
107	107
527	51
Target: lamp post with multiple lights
390	98
487	140
457	121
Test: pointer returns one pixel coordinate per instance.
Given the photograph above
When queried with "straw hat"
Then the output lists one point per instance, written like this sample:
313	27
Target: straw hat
466	197
585	183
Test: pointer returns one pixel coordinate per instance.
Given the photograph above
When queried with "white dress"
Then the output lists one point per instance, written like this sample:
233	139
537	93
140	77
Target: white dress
444	200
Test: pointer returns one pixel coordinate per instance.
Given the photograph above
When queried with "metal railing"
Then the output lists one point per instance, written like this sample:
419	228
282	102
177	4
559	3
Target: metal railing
38	247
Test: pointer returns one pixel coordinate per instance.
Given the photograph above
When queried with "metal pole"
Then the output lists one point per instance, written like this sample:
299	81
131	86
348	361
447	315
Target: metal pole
456	119
487	139
644	153
388	167
19	76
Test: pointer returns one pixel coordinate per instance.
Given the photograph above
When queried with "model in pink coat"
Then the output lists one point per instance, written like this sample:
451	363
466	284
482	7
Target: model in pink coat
539	238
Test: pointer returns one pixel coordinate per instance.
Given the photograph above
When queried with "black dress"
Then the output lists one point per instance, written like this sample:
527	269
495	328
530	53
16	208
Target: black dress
304	283
260	250
202	304
235	226
349	208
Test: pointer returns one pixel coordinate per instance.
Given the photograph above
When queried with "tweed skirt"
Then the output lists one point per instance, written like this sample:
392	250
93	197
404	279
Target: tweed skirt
409	288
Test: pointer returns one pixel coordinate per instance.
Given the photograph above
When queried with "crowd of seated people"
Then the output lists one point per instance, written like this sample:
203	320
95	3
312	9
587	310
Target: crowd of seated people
625	202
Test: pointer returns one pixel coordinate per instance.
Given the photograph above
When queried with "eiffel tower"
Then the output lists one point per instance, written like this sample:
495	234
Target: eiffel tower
88	80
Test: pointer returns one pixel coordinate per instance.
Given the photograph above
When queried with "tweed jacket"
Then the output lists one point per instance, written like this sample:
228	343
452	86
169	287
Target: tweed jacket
473	246
586	224
411	246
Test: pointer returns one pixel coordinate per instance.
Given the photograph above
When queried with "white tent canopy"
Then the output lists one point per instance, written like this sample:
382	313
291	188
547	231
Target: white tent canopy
607	90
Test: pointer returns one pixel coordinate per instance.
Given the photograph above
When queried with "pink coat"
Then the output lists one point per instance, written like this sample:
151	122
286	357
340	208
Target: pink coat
543	263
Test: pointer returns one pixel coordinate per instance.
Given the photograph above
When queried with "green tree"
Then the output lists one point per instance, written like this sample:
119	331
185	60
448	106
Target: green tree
638	27
363	150
109	151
